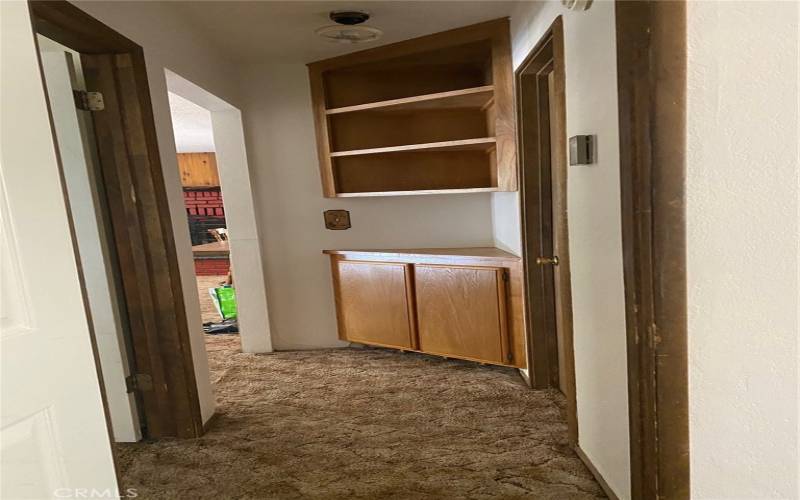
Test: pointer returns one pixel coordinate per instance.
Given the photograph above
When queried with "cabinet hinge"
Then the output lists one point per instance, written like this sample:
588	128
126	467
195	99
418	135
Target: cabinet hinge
509	357
88	101
139	382
506	275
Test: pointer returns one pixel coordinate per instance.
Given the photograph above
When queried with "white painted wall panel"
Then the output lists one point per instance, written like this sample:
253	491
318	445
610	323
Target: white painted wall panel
742	217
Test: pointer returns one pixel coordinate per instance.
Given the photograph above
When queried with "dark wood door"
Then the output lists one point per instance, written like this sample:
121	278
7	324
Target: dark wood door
543	168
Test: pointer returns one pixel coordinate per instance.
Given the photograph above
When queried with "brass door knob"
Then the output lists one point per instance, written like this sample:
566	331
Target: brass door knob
542	261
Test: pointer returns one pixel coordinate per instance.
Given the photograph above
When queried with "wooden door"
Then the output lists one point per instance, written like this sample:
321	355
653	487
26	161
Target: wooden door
374	303
543	168
462	312
53	433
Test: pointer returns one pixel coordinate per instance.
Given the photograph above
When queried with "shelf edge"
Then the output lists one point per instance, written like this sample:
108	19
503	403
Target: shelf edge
410	100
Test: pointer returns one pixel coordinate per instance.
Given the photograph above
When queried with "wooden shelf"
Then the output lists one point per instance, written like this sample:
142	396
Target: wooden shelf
476	97
418	192
480	144
430	115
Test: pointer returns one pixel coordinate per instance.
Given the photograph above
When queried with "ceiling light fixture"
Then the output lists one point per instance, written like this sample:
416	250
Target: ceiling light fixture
348	28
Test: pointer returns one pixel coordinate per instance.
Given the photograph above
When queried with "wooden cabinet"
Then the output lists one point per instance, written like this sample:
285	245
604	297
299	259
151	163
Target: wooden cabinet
373	303
462	303
462	311
428	115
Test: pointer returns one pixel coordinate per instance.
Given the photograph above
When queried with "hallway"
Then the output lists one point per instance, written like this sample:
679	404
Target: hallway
364	423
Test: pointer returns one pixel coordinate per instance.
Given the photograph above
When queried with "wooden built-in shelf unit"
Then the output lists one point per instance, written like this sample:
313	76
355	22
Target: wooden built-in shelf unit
428	115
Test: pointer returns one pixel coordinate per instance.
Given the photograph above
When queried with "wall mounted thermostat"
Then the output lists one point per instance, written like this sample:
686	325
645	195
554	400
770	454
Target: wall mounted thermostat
582	149
337	219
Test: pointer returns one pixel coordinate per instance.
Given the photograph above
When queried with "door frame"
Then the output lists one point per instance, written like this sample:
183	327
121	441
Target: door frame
651	80
651	87
548	51
131	173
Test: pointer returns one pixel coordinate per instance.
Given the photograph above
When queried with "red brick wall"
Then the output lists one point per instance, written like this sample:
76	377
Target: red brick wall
204	202
204	210
211	267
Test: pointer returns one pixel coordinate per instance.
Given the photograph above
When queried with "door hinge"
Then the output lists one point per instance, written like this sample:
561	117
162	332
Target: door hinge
139	382
88	101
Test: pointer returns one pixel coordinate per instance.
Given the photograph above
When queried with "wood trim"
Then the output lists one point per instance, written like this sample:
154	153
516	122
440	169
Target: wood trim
132	179
560	164
413	322
63	22
449	38
321	127
455	98
502	277
336	281
596	473
651	61
417	192
504	123
479	144
547	54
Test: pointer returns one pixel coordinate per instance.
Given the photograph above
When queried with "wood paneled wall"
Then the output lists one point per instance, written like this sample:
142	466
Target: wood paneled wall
198	169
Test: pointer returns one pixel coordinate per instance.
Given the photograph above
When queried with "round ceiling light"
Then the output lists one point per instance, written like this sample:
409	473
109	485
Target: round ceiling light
349	28
349	34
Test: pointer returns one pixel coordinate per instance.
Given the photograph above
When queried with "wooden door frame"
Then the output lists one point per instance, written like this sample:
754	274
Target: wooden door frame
548	51
132	177
651	85
651	79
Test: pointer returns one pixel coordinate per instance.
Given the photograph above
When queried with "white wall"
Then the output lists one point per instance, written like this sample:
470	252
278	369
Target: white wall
169	41
742	217
595	231
279	131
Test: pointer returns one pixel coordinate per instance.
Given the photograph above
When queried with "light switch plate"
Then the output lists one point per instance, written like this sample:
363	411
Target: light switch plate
582	149
337	220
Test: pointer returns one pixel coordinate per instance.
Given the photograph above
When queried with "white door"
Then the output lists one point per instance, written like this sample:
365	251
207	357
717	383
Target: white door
54	440
62	75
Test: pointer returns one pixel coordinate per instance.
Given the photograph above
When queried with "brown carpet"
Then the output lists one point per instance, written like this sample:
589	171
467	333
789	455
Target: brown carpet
364	423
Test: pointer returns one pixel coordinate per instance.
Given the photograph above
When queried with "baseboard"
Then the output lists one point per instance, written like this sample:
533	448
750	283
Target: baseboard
599	477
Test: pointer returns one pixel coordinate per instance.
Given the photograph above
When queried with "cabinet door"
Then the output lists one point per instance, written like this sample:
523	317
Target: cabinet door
373	303
462	311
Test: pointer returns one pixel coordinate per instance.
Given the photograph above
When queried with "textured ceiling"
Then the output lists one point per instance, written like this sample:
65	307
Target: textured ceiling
283	31
192	126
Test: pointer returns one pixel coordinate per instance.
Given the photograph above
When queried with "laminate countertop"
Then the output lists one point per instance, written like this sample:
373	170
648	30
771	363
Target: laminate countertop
471	253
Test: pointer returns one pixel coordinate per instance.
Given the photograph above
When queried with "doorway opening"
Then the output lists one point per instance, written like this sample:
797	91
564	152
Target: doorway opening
543	187
205	211
218	201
